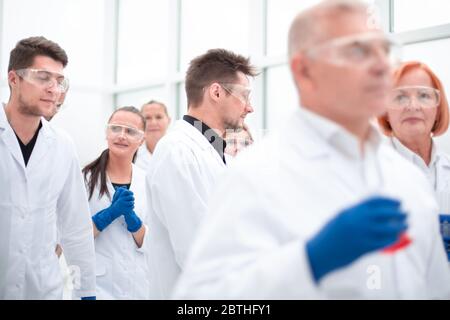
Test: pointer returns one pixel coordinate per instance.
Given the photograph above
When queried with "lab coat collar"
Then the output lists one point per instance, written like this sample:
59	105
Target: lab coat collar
46	129
8	136
198	138
135	170
41	147
413	157
213	138
336	138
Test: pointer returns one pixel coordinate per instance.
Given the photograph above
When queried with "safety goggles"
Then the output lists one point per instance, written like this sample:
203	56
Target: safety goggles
357	50
241	142
239	91
44	79
424	97
115	130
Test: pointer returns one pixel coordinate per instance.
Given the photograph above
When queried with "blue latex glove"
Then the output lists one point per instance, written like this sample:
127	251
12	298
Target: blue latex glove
123	202
371	225
117	193
134	223
89	298
444	220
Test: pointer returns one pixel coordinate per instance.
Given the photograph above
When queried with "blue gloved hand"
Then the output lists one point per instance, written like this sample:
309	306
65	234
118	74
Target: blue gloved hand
89	298
134	223
117	193
123	202
371	225
444	221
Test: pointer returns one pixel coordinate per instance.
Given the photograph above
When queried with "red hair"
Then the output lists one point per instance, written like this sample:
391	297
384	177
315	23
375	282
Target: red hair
441	123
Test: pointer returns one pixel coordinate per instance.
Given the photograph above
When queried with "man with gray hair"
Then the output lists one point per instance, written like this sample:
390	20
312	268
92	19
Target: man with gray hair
324	210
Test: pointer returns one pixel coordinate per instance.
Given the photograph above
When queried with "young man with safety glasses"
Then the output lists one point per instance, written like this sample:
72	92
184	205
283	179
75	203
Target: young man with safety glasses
189	159
42	192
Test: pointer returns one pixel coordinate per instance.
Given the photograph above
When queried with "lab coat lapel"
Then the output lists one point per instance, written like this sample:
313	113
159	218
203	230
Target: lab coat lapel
42	146
9	138
443	174
198	138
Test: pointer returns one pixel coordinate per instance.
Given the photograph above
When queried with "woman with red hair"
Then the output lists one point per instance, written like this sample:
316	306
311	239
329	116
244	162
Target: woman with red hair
418	112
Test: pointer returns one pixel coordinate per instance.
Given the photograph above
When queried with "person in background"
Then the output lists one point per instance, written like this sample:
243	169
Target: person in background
59	104
190	158
322	209
237	140
42	192
157	121
118	203
417	113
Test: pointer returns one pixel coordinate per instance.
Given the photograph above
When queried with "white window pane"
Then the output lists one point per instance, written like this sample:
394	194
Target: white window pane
138	98
416	14
280	14
208	24
434	54
76	25
182	100
282	96
143	40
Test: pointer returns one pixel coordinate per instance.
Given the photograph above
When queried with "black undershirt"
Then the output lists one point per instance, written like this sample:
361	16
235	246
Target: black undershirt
216	141
28	149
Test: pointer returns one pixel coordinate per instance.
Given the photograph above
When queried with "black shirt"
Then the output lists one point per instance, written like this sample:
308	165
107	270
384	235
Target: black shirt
217	142
28	149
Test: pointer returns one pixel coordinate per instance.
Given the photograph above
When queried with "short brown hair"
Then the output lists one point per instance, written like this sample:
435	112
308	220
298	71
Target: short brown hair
22	56
442	116
216	65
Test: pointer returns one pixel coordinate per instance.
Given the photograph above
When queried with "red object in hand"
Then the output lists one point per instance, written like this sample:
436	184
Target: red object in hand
403	242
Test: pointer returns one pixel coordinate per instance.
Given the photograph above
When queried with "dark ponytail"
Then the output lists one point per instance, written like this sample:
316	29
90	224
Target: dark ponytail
96	170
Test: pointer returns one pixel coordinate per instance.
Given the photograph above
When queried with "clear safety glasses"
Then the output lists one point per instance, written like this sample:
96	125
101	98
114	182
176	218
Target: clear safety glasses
424	97
44	79
239	142
358	50
239	91
115	130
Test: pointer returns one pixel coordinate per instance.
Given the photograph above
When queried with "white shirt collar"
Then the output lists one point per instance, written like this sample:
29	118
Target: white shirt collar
340	138
413	157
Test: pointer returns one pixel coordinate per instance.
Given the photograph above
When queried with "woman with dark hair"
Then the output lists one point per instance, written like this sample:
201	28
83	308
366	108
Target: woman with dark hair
117	200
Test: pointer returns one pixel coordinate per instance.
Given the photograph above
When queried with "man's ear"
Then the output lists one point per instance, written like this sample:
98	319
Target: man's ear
13	78
214	91
301	70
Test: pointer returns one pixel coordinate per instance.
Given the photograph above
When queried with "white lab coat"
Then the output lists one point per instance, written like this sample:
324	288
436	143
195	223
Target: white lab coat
122	268
437	172
36	202
282	192
184	169
143	157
